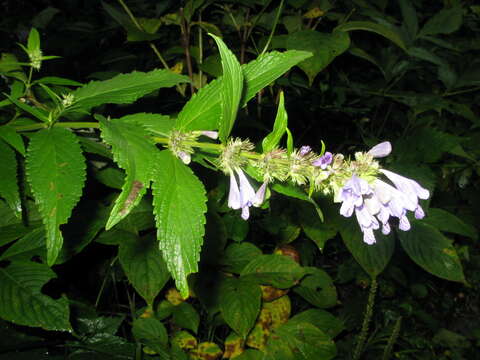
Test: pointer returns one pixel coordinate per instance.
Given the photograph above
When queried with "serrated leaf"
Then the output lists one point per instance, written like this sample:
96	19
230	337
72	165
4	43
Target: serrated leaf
325	48
231	92
29	245
144	266
317	288
203	110
135	152
179	203
124	88
9	134
156	124
186	317
432	251
22	301
276	270
56	174
445	221
446	21
8	180
380	29
279	127
240	303
372	258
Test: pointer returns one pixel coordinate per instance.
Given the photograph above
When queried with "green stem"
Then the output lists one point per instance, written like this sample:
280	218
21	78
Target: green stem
393	338
73	125
461	91
366	320
273	29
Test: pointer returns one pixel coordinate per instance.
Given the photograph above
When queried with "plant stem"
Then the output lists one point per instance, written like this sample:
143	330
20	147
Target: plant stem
73	125
366	320
393	338
273	28
185	30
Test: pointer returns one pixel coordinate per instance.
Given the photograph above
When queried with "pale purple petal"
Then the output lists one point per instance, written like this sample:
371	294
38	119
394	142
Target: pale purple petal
372	204
410	188
383	191
234	194
211	134
381	150
404	224
419	213
247	193
347	207
185	157
365	219
369	237
324	160
383	215
386	228
245	212
304	150
260	195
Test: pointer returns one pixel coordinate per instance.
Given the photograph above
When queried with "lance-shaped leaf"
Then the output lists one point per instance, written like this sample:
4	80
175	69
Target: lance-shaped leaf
56	173
8	179
279	127
203	110
10	135
232	86
124	88
144	266
134	152
179	203
22	301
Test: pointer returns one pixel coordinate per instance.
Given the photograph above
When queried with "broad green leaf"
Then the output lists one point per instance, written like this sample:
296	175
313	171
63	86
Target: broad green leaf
317	288
55	80
203	110
156	124
179	203
237	256
22	301
322	319
325	47
296	340
123	88
29	245
10	66
372	258
276	270
33	42
231	92
445	221
14	139
317	230
251	354
237	228
135	152
186	317
424	54
432	251
150	329
446	21
8	180
240	303
144	266
379	29
279	127
56	173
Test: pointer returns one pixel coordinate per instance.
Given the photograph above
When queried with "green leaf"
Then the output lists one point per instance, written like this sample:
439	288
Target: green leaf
144	266
296	340
322	319
279	127
432	251
446	21
186	317
383	30
150	330
124	88
237	256
156	124
237	228
372	258
10	135
135	152
179	202
317	230
40	114
445	221
55	80
56	174
231	92
409	15
22	301
240	303
29	245
317	288
203	110
8	180
325	47
276	270
33	42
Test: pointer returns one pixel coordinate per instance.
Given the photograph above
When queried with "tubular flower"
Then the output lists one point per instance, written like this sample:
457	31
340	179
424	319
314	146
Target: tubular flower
374	203
324	160
244	196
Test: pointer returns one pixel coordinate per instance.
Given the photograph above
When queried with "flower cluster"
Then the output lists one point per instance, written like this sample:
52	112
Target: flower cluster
180	143
376	201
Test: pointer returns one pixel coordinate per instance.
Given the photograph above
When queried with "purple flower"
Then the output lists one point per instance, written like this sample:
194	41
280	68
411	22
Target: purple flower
304	150
244	196
211	134
324	160
381	150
